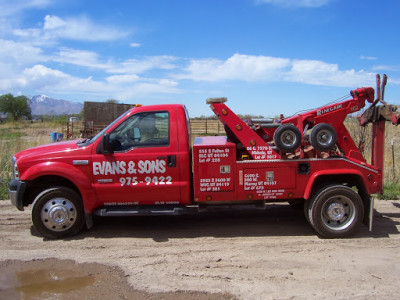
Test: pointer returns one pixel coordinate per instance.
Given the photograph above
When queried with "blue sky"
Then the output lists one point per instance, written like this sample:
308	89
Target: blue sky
267	56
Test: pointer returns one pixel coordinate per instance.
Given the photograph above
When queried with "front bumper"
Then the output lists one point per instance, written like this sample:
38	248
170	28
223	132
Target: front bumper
17	190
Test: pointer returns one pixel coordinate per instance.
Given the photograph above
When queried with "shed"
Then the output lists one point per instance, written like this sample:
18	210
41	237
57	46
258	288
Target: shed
103	113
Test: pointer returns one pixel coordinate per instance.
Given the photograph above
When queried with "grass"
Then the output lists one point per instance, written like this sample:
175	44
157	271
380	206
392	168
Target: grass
15	137
6	169
391	191
6	134
18	136
391	174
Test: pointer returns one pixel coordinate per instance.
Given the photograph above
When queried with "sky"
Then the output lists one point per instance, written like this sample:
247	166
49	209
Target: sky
266	56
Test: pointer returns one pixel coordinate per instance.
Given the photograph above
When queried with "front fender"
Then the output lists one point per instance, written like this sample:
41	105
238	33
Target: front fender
313	178
77	175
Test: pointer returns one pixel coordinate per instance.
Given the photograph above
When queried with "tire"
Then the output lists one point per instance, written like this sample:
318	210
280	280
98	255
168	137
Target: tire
305	210
287	138
323	137
58	213
335	211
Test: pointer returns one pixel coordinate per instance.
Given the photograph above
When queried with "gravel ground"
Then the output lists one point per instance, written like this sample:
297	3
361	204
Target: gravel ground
271	254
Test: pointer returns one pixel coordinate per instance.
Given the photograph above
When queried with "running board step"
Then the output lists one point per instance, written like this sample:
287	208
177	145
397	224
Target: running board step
149	210
121	211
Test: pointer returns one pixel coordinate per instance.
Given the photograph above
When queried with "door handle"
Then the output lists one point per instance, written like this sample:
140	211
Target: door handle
171	161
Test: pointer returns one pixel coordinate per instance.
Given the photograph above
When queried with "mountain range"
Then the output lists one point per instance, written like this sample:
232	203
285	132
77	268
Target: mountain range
44	105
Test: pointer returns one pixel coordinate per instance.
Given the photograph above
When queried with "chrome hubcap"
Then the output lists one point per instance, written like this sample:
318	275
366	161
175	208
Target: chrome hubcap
324	137
288	138
58	214
338	213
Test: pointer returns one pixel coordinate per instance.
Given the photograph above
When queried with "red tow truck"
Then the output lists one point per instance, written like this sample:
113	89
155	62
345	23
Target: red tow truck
143	164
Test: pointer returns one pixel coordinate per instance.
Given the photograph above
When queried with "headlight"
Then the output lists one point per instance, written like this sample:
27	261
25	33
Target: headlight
15	169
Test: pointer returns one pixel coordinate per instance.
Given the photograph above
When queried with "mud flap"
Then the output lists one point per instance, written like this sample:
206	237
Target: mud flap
369	212
89	220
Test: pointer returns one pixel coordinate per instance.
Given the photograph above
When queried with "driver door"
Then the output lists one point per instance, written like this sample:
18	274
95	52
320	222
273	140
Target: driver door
144	166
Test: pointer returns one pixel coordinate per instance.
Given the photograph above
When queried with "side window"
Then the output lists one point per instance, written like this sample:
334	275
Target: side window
150	129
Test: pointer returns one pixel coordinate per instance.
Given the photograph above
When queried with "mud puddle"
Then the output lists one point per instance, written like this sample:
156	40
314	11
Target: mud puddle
43	283
65	279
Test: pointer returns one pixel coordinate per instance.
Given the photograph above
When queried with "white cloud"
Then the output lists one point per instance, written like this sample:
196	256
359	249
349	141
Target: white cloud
368	57
91	59
237	67
320	73
394	68
20	53
8	8
81	58
46	80
295	3
147	87
25	67
138	66
271	69
135	45
41	77
76	28
53	22
120	79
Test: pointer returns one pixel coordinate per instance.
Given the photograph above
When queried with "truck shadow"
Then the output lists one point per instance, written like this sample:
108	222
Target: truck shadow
276	220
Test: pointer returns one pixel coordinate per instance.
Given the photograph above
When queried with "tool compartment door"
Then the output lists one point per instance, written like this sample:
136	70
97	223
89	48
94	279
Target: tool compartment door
266	183
214	168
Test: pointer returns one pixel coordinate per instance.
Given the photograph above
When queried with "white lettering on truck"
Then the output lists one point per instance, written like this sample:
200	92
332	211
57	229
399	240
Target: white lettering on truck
328	109
121	167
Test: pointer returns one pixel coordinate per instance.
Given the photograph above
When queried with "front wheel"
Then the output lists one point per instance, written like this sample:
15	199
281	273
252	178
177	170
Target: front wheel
335	211
58	212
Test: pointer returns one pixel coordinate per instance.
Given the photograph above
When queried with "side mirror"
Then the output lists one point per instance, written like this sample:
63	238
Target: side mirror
107	147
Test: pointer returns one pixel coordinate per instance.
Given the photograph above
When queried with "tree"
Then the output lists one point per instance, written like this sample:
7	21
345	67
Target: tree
15	107
113	101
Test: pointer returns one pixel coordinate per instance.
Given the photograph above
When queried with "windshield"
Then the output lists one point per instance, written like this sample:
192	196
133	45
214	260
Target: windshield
91	140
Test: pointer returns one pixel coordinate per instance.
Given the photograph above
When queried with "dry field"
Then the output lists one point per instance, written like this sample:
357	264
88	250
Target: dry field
15	137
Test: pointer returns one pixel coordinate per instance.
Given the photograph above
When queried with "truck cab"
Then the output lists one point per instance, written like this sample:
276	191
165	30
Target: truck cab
141	159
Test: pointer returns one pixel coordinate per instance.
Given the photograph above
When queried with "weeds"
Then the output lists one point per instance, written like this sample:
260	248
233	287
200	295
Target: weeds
6	169
390	191
15	137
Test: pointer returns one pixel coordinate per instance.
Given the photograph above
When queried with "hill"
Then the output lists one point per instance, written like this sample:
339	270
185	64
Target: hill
44	105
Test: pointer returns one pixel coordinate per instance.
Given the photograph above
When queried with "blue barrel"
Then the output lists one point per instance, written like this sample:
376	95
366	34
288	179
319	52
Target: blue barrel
60	137
53	137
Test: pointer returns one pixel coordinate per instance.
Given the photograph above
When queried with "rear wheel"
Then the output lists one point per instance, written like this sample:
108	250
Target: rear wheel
335	211
305	210
58	212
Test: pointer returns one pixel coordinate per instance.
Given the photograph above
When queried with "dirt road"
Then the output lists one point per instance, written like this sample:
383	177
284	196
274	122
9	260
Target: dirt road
270	254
